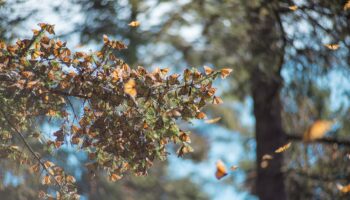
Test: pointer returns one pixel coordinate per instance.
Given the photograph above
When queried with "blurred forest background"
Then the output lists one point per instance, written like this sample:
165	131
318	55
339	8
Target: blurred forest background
290	61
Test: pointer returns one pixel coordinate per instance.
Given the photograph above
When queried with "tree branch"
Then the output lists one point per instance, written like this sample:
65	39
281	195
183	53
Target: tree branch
325	140
284	40
314	176
63	93
31	150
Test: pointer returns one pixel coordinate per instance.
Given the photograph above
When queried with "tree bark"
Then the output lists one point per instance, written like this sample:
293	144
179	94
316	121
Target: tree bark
267	50
269	136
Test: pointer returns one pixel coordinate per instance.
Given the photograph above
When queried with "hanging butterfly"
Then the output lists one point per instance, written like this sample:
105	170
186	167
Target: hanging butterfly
129	88
207	70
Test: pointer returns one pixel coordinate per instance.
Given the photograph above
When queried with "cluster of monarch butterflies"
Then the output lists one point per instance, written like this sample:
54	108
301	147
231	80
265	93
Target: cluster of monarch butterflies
129	114
141	105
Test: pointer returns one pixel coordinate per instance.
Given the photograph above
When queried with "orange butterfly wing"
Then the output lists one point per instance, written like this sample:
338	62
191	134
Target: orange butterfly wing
129	88
221	170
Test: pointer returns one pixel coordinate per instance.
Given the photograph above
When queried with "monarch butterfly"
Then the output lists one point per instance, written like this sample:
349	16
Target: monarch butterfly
185	137
46	180
129	88
283	148
70	179
48	164
217	100
343	189
114	177
332	46
293	8
207	70
164	71
201	115
264	164
225	72
212	121
27	74
267	157
183	150
221	170
317	130
134	24
347	5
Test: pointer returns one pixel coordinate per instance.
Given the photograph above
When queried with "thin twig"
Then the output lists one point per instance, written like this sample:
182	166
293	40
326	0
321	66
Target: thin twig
26	144
316	176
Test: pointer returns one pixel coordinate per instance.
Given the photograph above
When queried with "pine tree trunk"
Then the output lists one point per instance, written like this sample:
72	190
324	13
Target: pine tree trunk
269	136
266	82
